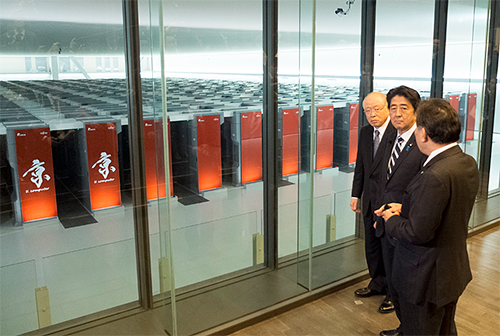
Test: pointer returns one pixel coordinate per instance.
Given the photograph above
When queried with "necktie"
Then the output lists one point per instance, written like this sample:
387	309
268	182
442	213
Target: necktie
376	142
395	155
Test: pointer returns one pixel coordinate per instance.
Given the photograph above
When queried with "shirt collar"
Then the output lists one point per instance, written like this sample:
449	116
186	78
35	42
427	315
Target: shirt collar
439	151
382	128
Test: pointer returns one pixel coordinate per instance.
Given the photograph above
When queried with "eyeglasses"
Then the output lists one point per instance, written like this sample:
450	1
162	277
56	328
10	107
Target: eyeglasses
375	110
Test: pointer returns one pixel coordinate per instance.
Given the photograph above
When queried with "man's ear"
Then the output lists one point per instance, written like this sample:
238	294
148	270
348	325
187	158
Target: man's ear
422	135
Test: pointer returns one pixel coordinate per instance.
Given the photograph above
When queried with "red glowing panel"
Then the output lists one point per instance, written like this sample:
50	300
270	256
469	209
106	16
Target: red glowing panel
353	132
251	147
209	152
36	173
290	141
102	156
324	137
454	101
471	117
154	159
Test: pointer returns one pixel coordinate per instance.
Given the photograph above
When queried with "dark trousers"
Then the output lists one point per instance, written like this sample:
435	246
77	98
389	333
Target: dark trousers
374	257
428	319
388	253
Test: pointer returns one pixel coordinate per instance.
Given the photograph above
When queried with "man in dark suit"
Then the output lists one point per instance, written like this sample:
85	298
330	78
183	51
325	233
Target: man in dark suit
402	161
371	147
431	265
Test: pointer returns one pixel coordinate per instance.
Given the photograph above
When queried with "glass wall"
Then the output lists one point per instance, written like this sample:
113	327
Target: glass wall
67	232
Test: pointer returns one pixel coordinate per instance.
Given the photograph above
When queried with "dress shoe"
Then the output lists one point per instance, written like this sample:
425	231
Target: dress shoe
366	292
393	332
386	307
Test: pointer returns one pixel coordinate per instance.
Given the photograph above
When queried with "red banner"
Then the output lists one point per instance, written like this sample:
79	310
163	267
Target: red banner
102	156
324	137
36	173
251	146
471	116
209	152
154	160
353	132
454	101
290	142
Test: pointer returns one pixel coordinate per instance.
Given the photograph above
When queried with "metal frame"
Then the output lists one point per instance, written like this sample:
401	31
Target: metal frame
270	132
136	136
368	17
439	45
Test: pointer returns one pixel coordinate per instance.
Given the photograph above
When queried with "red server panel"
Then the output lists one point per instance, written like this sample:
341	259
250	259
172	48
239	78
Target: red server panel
154	159
102	158
471	116
353	132
454	101
290	142
324	137
35	173
209	152
251	146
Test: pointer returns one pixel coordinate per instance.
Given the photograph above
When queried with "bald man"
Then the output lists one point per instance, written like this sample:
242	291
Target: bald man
371	147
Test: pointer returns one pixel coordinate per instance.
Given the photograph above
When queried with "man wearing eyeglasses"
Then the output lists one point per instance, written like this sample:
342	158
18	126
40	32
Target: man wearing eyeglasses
371	146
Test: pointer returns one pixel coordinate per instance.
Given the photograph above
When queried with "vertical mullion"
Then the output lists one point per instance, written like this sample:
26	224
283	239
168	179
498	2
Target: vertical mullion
136	141
490	87
270	131
368	15
438	49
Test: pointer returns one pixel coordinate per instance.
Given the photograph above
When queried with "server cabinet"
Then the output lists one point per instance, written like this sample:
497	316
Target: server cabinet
100	174
345	135
324	138
457	104
246	136
205	151
470	102
29	150
155	159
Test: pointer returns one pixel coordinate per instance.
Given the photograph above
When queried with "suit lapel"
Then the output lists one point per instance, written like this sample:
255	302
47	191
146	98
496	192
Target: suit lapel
405	151
384	143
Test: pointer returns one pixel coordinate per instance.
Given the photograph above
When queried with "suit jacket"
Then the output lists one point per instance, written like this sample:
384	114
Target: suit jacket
431	263
407	165
368	168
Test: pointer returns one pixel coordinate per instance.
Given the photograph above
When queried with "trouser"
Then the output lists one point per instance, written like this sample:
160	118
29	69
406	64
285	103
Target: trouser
374	257
388	253
428	319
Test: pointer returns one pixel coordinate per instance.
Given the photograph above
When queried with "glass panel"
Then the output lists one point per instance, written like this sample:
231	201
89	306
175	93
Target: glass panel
93	277
494	183
464	66
307	35
66	197
403	45
213	75
17	287
329	128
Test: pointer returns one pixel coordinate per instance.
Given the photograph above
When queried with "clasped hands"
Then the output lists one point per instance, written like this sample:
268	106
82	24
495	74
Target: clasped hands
386	211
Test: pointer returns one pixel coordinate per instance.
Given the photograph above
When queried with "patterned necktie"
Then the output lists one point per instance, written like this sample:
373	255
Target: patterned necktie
395	155
376	142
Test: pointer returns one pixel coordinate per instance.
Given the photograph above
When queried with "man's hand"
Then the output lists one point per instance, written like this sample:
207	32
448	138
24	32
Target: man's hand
354	205
386	211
